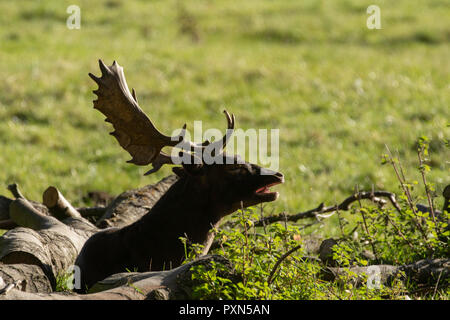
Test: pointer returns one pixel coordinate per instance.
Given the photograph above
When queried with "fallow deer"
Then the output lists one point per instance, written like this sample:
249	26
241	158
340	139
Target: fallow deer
201	197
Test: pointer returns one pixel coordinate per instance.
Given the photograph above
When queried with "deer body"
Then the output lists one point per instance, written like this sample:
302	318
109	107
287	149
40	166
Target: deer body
152	242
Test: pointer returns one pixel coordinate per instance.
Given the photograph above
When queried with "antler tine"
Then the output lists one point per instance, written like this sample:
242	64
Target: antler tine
183	132
96	79
231	122
133	93
218	146
159	161
103	67
189	145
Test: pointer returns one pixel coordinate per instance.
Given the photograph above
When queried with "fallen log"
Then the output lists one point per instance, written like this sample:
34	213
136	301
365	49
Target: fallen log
6	222
123	210
42	240
160	285
32	277
53	201
423	271
15	191
94	212
50	244
58	206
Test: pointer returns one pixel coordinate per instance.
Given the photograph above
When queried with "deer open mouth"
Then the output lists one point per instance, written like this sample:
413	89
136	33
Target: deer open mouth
264	194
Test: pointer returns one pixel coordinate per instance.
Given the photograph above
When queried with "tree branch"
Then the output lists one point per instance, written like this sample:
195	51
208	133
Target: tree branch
282	258
375	196
14	189
58	206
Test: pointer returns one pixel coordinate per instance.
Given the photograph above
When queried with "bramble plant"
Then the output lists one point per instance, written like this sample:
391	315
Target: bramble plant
253	255
274	264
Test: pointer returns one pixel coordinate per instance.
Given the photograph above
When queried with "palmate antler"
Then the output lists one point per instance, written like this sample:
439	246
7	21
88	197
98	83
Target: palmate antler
133	129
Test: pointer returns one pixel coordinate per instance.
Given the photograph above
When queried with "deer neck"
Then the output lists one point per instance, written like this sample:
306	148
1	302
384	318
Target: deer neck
184	209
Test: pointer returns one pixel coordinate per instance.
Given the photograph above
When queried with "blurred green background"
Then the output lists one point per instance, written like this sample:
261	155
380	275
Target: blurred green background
337	90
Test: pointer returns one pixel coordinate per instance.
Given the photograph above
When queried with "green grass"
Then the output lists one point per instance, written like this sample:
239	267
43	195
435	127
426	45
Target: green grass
337	91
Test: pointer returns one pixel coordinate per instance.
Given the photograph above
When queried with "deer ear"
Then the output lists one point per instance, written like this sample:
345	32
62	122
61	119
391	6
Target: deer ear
192	165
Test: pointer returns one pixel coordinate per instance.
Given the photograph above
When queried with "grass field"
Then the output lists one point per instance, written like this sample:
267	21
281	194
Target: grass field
337	90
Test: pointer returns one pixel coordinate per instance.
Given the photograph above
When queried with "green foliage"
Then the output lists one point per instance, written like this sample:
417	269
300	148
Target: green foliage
274	265
211	284
62	281
253	254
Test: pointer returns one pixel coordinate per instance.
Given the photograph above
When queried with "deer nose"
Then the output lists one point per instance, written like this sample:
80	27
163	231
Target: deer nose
280	176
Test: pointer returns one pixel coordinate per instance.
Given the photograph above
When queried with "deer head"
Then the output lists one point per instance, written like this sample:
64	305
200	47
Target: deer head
231	182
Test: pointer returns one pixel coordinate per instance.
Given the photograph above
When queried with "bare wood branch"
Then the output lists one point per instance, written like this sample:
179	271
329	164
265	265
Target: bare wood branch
58	206
375	196
14	189
24	214
425	183
399	232
5	202
280	260
9	287
437	284
366	228
401	178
